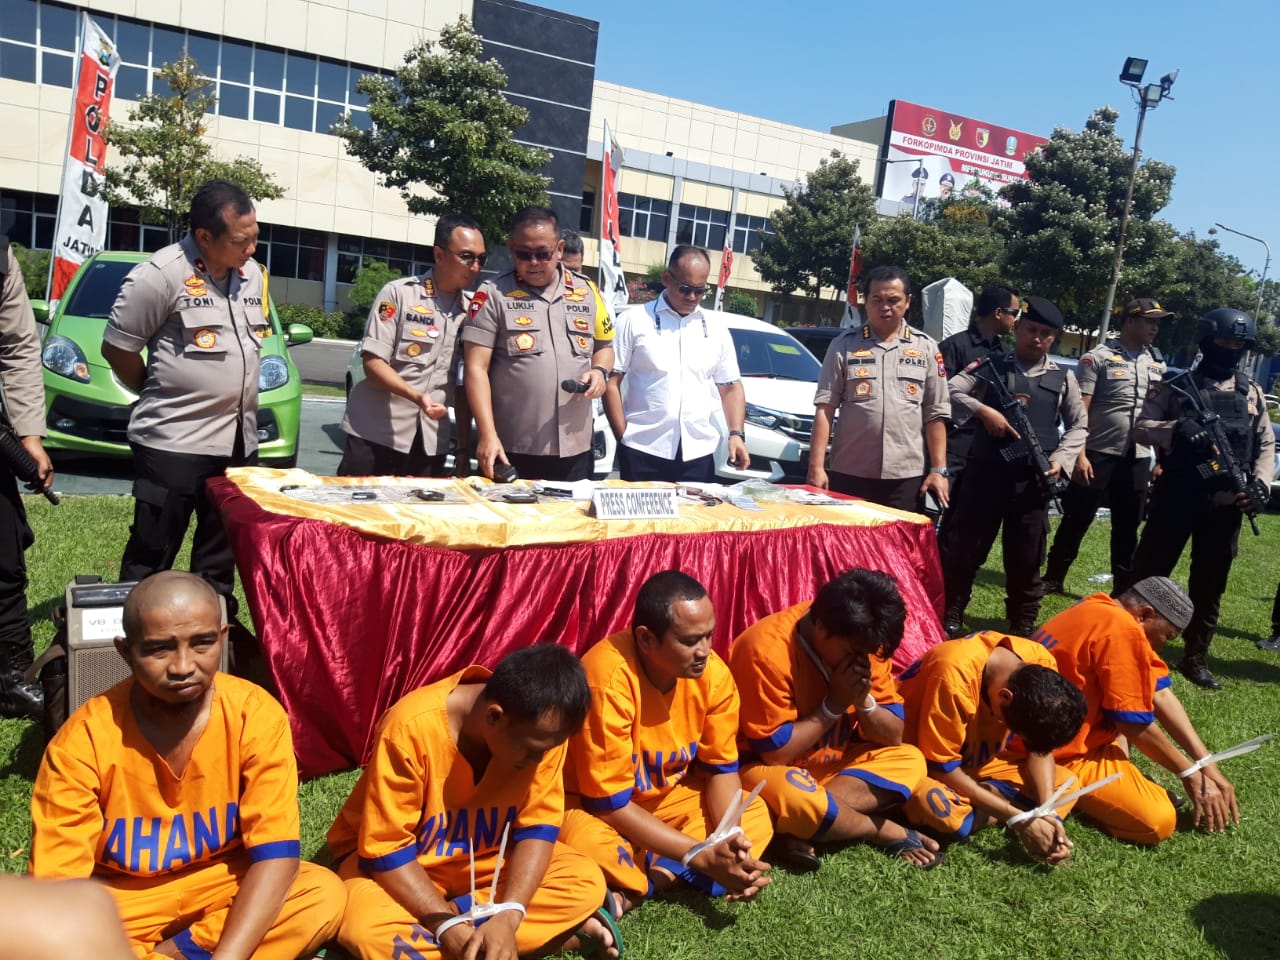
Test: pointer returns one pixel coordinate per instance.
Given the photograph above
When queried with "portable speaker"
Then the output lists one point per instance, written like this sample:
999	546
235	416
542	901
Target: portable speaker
94	620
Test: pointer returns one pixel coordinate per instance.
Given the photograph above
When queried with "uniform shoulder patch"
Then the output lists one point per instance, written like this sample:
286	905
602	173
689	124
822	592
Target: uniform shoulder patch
1087	360
386	310
478	300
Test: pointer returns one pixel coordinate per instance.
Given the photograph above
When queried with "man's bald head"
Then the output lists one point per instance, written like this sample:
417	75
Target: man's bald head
171	589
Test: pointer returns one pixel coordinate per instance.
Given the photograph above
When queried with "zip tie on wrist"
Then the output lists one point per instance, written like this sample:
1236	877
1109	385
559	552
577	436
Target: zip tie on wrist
1240	748
828	712
865	711
1056	799
729	825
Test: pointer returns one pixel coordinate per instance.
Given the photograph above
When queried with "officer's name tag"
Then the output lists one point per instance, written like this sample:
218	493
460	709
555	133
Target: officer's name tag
656	504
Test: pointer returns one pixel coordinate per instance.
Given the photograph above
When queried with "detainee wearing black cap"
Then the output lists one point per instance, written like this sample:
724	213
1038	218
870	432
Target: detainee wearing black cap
1115	378
1193	499
1005	491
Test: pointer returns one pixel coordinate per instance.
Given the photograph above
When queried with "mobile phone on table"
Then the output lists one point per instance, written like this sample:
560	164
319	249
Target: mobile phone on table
520	496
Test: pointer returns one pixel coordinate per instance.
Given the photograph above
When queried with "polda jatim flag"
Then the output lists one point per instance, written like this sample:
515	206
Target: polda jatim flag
613	282
726	267
81	229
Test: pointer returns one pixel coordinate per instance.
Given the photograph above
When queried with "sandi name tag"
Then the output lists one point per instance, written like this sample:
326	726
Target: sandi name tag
639	504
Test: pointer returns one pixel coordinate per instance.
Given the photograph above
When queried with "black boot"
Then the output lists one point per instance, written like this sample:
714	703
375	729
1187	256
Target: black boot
19	698
953	620
1195	657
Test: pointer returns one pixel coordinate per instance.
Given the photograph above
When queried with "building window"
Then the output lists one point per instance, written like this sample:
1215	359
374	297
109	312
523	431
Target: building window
406	259
587	218
291	252
702	227
643	217
28	218
251	81
749	233
126	232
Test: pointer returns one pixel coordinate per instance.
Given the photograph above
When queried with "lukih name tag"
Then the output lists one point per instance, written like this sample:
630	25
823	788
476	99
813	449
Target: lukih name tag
643	504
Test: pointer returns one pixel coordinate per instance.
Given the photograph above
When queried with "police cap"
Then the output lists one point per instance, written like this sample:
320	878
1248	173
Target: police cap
1040	310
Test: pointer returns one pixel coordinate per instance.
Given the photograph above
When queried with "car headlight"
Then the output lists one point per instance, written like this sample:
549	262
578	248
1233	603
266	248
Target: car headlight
273	372
64	357
763	416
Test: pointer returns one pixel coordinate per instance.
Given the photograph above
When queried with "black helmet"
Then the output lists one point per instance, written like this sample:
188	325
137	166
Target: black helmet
1227	322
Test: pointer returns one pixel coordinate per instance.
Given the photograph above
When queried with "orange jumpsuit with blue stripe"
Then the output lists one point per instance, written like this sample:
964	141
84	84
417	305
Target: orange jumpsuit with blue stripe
948	718
172	849
779	682
655	749
418	801
1102	649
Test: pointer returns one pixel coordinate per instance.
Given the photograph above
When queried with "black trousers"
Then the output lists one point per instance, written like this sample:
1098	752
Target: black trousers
15	536
167	489
996	497
1275	613
636	465
565	469
1181	511
900	494
1123	480
364	458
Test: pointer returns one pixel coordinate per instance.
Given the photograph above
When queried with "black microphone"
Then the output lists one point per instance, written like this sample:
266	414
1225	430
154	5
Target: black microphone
573	386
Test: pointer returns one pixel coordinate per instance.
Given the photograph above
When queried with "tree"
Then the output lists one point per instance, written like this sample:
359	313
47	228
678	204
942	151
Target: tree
742	303
1063	221
442	123
1206	278
813	230
369	279
35	270
164	156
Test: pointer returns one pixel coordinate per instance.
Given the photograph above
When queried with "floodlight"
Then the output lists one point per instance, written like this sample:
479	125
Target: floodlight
1166	82
1134	68
1151	94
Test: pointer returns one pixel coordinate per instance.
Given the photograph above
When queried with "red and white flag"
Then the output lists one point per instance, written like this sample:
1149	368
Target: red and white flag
855	271
81	228
726	266
613	282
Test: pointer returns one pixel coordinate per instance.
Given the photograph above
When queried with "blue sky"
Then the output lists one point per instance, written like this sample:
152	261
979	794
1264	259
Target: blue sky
1032	66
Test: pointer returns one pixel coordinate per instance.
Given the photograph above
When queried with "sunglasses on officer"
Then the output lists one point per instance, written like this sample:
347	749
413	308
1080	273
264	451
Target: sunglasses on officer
688	290
468	259
528	256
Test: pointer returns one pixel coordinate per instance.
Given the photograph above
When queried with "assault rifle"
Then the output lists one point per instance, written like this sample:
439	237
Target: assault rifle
15	455
1027	447
1223	462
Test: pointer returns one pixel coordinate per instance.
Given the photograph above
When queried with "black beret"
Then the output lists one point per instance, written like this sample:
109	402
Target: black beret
1042	311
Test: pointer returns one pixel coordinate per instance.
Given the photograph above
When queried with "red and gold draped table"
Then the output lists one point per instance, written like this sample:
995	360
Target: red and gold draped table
356	603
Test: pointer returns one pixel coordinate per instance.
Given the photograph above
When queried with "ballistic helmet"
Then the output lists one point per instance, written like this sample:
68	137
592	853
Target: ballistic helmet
1227	322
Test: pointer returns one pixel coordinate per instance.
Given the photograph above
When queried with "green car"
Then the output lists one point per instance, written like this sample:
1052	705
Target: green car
87	409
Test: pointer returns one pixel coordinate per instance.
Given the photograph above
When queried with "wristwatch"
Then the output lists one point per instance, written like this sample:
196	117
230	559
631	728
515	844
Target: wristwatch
737	433
603	372
940	471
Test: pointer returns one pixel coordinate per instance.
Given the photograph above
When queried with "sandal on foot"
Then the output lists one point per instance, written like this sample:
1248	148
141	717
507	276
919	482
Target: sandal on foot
910	843
792	853
589	945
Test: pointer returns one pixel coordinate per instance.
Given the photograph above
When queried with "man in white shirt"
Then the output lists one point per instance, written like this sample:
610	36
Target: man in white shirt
671	353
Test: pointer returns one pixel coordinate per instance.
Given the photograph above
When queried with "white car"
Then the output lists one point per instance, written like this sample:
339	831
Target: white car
779	377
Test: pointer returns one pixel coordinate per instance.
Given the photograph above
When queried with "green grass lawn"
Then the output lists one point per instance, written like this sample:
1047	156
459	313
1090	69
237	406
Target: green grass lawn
1195	896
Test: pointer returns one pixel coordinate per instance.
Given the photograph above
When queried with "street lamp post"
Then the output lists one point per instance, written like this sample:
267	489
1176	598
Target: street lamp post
1149	98
1265	266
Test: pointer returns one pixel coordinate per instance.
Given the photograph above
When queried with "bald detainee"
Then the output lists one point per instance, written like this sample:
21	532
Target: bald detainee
177	789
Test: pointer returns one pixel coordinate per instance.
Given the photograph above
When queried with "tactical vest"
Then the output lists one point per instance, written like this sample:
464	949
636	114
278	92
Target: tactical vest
1039	397
1237	423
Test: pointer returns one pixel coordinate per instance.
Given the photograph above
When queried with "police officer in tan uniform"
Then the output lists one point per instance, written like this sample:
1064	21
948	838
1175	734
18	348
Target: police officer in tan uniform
1001	487
197	308
24	409
1114	381
397	417
527	331
890	385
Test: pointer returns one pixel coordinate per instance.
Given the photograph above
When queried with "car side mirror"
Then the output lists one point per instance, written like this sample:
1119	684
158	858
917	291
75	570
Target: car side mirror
41	309
298	333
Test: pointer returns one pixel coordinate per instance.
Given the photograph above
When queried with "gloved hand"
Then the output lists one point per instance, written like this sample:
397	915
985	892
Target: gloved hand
1259	494
1191	435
